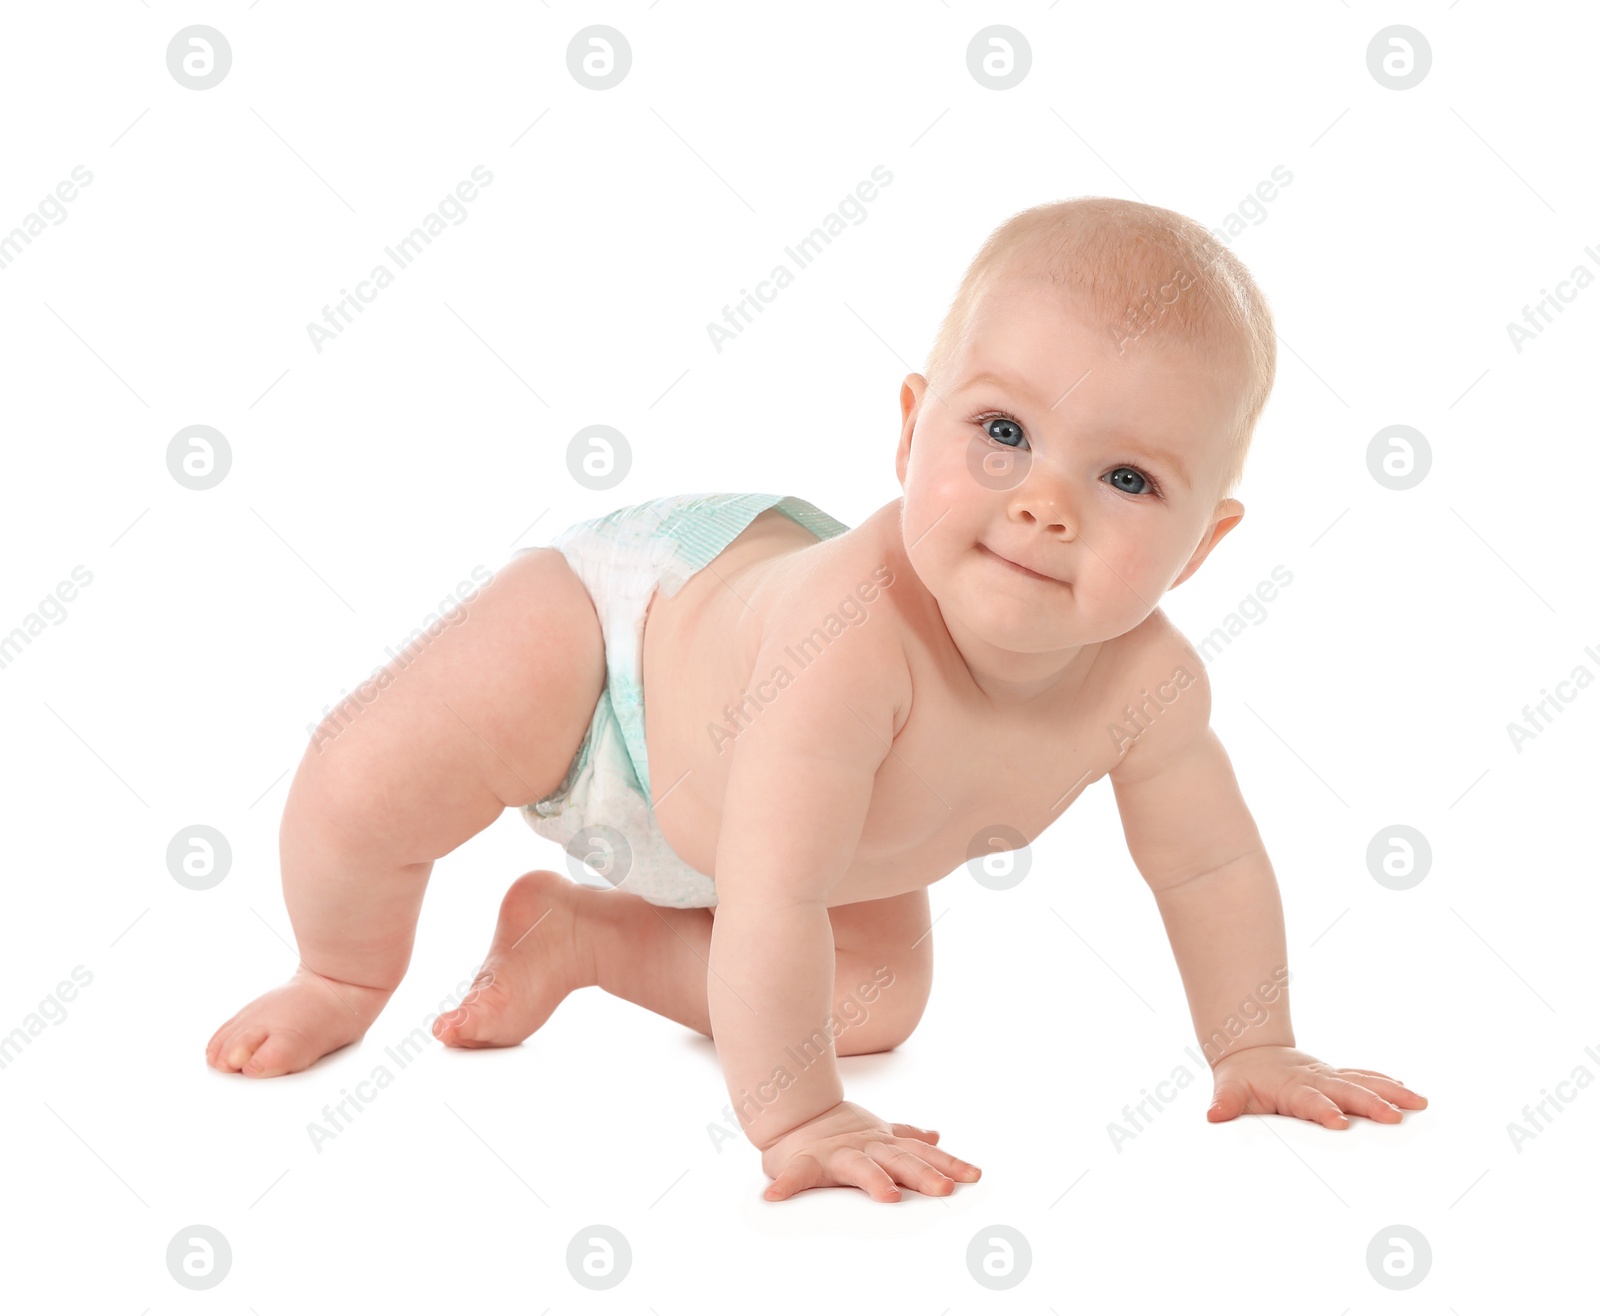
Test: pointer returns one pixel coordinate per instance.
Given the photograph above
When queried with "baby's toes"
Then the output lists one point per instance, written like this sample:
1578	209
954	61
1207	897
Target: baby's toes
488	1016
214	1046
466	1025
234	1046
284	1051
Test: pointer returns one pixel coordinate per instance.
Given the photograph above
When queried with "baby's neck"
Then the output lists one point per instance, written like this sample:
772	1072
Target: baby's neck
1011	680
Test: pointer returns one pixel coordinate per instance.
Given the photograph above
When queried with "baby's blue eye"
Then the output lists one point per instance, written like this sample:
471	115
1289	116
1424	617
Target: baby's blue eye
1129	471
1004	431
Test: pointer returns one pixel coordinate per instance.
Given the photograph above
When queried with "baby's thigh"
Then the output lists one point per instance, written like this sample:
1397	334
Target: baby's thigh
482	716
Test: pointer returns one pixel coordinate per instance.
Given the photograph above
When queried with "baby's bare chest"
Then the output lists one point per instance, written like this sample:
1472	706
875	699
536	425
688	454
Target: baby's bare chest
961	779
964	781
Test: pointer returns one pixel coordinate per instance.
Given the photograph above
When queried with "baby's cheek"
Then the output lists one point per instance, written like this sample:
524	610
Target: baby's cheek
1122	592
927	491
1138	566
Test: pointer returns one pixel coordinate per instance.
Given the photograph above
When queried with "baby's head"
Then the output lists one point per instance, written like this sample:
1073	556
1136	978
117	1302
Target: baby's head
1086	410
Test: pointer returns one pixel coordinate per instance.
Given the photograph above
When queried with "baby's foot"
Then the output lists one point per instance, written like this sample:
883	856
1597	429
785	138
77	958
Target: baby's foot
535	960
293	1025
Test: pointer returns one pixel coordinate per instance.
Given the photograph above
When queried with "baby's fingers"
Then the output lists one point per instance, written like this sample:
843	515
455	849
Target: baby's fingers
912	1131
1361	1100
910	1169
855	1167
1396	1091
1367	1073
848	1167
803	1171
943	1161
1306	1103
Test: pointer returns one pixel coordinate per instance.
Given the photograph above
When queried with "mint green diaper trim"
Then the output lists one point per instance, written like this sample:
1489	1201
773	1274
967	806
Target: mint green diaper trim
701	527
623	557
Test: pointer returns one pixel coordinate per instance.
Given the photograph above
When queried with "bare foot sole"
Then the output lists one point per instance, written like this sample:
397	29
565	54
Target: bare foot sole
294	1025
534	961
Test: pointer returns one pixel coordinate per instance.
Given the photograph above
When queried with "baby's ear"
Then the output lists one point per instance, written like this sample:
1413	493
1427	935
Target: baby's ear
912	391
1230	511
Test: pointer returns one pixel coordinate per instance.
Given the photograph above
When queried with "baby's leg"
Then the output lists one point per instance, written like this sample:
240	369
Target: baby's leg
555	936
485	717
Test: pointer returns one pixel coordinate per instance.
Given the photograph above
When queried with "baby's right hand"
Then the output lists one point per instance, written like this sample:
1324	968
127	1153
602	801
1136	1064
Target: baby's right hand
850	1146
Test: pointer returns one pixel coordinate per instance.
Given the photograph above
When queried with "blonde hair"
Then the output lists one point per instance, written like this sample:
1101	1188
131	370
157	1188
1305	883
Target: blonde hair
1115	254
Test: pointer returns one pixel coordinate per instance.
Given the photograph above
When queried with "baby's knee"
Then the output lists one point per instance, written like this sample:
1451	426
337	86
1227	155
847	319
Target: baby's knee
873	1035
878	1005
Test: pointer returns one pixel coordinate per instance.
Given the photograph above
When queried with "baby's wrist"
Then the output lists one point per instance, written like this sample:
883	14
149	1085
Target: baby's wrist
769	1130
1253	1045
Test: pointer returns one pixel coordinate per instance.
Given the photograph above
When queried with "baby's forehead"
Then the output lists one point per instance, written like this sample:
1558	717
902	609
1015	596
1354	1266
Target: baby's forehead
1037	318
1045	299
1052	356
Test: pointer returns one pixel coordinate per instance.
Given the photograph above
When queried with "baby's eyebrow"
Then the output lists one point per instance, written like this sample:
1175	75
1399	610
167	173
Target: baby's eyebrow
1158	456
1161	456
1016	386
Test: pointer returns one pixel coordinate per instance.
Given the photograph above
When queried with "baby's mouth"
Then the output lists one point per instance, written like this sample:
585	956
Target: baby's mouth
1019	568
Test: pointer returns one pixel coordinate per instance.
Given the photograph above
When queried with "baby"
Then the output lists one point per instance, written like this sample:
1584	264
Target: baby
771	733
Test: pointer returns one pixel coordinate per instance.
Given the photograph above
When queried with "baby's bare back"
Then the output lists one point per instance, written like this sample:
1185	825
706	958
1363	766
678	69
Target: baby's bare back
961	768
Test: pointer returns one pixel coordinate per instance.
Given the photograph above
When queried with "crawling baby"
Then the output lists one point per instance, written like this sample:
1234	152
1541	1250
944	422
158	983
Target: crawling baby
770	733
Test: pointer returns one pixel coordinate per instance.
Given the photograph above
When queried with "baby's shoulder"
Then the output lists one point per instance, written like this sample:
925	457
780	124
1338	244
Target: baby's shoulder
833	608
1160	689
1156	646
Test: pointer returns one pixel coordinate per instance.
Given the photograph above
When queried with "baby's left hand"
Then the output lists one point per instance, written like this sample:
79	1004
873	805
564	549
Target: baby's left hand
1278	1080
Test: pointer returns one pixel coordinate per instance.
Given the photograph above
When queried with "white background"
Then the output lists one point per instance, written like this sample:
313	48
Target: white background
369	478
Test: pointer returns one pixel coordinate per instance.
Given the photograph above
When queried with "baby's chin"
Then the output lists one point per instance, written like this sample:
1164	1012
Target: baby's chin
1017	627
1046	627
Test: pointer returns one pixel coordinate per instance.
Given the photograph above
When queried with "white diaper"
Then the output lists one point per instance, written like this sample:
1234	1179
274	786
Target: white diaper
602	812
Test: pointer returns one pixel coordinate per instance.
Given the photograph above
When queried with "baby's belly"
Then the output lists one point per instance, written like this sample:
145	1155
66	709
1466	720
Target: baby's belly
701	691
975	775
904	845
698	652
688	772
920	825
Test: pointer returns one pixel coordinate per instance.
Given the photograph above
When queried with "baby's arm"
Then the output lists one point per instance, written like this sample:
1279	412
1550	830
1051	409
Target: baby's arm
799	788
1193	839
